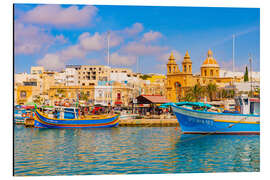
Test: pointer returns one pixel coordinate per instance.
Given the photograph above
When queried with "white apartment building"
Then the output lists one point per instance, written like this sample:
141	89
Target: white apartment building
71	77
90	75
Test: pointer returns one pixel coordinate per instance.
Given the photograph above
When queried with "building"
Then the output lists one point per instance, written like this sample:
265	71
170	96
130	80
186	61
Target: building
71	93
103	95
179	82
71	75
37	69
26	92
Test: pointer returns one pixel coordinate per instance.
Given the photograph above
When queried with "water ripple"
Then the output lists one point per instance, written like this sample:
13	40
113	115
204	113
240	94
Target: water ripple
130	150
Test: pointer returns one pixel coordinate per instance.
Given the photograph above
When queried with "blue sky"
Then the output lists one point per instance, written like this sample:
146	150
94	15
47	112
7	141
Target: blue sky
55	35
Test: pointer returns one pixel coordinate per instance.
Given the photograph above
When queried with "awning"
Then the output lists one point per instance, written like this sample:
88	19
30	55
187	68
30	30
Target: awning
152	99
118	103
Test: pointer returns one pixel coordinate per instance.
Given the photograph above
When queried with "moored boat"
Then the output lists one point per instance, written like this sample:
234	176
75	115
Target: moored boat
195	121
43	120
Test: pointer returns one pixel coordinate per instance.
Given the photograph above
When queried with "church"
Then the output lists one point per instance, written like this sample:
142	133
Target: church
178	82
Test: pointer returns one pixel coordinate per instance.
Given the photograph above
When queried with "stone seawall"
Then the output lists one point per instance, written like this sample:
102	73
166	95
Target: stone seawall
149	122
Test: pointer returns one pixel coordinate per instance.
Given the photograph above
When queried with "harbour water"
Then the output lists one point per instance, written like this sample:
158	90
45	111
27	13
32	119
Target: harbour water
130	150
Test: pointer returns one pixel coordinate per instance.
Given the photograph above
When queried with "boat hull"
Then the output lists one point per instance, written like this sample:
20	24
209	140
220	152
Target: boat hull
43	121
198	122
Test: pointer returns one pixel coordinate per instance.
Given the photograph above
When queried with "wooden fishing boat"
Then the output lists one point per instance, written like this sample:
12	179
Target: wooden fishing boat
43	120
194	121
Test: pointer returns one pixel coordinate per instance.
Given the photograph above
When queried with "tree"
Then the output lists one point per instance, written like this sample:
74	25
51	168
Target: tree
246	75
60	93
37	100
194	93
211	90
145	76
83	96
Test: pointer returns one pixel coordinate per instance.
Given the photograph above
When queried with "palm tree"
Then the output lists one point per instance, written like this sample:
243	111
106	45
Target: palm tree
60	93
37	100
83	96
231	93
211	90
194	93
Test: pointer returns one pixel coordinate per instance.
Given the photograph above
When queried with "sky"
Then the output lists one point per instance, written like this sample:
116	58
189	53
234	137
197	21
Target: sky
141	37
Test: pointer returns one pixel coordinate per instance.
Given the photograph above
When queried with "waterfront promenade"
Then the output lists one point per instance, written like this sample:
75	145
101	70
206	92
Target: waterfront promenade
149	122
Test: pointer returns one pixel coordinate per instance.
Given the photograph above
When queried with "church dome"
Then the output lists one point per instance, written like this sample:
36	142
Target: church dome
210	61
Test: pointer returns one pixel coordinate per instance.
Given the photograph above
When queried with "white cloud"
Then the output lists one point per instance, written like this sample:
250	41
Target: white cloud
151	36
136	48
30	39
51	62
116	59
92	43
59	16
115	39
134	29
72	52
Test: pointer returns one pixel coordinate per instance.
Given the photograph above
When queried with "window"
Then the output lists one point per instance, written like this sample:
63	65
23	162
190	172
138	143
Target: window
211	72
23	94
189	68
100	93
169	69
205	73
173	69
185	68
118	96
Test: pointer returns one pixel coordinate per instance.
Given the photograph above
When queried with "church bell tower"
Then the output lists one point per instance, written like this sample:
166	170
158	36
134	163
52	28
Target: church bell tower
172	67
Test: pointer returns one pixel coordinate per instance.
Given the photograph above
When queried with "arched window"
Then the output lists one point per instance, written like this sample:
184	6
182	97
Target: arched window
205	73
100	93
23	94
189	68
118	96
169	69
174	69
185	68
211	72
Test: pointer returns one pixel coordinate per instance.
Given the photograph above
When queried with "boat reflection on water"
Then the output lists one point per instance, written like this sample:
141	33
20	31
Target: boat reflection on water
219	153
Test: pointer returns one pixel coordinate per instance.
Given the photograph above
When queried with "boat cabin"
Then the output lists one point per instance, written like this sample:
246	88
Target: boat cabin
248	105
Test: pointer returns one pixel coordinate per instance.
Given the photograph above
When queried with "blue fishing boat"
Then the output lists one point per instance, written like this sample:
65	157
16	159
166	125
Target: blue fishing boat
43	120
195	118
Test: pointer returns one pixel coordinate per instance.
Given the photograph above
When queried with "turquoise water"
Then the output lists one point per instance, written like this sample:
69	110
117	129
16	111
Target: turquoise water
130	150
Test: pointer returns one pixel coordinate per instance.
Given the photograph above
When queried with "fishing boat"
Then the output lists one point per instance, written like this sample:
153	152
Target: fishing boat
43	120
196	118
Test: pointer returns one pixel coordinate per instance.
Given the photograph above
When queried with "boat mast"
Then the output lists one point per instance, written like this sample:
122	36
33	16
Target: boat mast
233	46
250	63
108	48
233	54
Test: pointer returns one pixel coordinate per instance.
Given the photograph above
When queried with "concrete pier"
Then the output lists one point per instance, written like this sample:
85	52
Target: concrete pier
149	122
